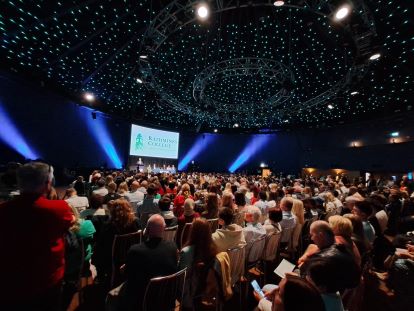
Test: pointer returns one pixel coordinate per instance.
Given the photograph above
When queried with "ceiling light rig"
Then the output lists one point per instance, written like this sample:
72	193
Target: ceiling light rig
342	12
110	51
202	11
279	3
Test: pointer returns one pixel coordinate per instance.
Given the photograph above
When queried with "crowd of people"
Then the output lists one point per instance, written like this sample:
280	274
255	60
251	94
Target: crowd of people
333	229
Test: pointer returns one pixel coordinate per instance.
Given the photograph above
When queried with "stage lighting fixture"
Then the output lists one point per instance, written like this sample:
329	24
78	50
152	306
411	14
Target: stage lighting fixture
330	106
89	97
215	130
236	125
342	12
395	134
279	3
375	56
202	11
143	56
139	81
354	93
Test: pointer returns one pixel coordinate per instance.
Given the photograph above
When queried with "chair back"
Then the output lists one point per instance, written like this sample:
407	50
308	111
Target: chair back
120	247
170	233
237	257
271	246
214	223
295	236
162	292
185	233
254	249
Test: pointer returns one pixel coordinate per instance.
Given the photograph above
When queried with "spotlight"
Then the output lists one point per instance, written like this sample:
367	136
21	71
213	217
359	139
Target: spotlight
139	81
342	12
375	56
215	130
202	11
330	106
354	93
89	97
236	125
262	165
143	56
395	134
279	3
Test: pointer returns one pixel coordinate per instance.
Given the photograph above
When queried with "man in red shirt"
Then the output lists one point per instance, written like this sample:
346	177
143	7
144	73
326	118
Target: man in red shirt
31	241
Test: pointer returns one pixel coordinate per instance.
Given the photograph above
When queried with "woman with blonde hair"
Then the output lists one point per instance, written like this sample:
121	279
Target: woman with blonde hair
123	189
329	205
227	200
299	211
180	199
342	229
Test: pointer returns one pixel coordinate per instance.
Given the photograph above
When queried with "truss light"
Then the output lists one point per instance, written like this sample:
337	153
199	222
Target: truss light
279	3
375	56
202	11
215	130
139	81
330	106
354	93
236	125
143	56
89	97
342	12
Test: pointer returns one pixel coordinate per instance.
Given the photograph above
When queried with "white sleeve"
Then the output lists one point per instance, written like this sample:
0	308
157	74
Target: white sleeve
264	305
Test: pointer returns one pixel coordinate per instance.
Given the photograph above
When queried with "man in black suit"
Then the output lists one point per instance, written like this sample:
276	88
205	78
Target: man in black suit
152	258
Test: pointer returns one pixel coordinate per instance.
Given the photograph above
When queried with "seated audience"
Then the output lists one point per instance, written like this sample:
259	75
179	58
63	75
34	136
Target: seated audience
229	235
292	294
32	264
152	258
180	199
289	221
122	221
254	229
364	210
101	189
272	224
212	205
197	256
164	205
134	196
112	195
342	228
80	203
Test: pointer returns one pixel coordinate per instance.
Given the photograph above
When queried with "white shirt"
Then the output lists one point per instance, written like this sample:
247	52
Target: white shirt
80	203
101	191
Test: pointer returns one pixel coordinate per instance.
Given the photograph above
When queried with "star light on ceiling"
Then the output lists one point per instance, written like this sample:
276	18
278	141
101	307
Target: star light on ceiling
94	47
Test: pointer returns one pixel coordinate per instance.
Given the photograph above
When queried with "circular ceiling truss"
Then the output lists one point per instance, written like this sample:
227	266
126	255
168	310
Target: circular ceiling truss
177	14
249	66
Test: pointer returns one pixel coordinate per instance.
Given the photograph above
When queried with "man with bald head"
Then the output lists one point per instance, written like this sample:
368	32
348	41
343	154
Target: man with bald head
134	196
152	258
348	272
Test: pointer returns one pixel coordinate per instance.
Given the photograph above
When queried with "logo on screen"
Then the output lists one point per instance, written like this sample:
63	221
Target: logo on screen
139	142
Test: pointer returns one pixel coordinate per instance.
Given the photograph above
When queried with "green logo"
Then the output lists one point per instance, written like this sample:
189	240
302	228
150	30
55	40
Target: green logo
139	142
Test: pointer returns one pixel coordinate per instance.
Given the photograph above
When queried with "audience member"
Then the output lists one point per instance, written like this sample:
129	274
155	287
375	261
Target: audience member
33	268
80	203
229	235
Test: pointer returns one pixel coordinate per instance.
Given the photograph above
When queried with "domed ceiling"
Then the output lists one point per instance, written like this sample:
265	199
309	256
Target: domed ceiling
245	66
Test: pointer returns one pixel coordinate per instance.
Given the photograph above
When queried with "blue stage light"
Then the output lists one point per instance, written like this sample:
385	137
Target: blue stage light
255	144
201	143
99	130
11	136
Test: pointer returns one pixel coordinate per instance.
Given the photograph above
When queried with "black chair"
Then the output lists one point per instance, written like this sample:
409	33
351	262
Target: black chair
120	248
162	293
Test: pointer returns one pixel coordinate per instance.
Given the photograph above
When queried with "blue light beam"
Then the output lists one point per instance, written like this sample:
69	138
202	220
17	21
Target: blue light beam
200	144
12	137
99	130
256	143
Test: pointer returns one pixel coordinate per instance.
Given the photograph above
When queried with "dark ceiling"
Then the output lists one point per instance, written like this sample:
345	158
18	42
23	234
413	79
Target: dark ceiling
249	63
